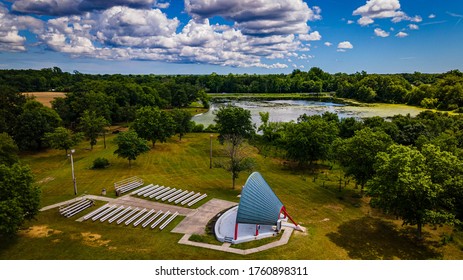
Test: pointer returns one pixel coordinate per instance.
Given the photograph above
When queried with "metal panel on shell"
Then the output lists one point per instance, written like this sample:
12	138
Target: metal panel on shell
258	203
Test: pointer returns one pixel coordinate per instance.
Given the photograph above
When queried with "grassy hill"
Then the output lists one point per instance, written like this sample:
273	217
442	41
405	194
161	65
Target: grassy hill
340	225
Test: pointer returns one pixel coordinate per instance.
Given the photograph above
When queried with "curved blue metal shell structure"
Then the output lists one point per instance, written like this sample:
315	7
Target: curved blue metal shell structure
258	203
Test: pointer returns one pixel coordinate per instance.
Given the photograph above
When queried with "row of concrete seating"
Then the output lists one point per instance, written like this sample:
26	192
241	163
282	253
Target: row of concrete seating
76	207
121	213
167	194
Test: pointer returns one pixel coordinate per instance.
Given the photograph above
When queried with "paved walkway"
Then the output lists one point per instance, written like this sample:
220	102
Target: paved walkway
196	221
226	246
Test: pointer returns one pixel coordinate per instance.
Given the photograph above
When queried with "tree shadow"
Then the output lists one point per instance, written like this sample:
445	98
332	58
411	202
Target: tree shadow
370	238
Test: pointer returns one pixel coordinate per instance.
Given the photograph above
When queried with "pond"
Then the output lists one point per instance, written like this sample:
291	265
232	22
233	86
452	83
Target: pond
290	110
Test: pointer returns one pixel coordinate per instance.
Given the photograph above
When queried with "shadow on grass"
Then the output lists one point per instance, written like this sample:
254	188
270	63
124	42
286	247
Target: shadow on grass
7	242
372	239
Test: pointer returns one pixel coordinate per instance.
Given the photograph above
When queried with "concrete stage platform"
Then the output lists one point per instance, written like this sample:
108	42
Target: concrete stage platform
225	229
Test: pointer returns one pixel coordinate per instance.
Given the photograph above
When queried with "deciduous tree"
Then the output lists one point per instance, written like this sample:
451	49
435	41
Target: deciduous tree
235	126
63	139
19	197
130	146
357	154
182	120
92	125
153	125
406	185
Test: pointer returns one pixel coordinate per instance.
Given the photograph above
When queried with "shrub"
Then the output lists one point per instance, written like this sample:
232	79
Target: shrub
100	163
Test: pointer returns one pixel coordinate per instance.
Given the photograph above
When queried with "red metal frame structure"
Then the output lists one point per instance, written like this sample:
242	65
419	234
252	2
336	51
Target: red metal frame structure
283	210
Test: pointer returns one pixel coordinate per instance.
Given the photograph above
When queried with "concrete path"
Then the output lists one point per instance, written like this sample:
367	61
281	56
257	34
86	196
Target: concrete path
196	221
226	246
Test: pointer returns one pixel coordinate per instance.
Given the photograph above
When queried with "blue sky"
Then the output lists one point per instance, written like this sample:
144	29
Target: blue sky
232	36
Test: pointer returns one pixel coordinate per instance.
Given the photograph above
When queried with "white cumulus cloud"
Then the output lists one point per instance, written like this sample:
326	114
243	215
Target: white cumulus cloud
401	34
432	16
269	17
313	36
345	45
413	27
381	9
381	33
328	44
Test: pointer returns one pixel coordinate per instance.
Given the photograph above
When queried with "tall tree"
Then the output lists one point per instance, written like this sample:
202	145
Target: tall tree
130	146
235	126
63	139
33	123
92	125
404	185
19	197
11	106
309	140
8	150
153	124
357	154
182	120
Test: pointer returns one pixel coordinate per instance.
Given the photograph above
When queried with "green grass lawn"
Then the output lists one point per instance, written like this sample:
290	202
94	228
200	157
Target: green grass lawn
340	225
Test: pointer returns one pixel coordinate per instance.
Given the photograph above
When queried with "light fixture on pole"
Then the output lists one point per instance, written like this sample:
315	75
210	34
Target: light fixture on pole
72	169
210	157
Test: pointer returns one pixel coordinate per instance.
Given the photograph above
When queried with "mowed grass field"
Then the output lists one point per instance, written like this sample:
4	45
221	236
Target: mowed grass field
340	225
45	97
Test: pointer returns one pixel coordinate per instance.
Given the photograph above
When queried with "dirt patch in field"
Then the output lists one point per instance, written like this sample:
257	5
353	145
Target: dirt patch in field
94	240
39	232
46	180
334	207
45	97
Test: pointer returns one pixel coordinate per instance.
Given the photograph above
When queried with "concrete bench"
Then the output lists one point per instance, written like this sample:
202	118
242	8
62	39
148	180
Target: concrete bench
190	198
184	197
165	194
127	215
147	190
143	218
112	213
119	214
142	189
152	218
171	218
160	219
177	196
106	211
171	195
160	191
72	206
89	215
88	203
154	191
129	221
196	200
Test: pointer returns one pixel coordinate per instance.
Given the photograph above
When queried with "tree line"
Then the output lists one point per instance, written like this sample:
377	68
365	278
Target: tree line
410	166
122	93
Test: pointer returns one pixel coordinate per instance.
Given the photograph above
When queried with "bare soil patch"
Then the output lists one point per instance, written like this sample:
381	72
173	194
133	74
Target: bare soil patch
39	231
94	240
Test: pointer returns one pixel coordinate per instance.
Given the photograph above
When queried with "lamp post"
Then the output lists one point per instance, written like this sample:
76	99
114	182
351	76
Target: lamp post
72	168
210	157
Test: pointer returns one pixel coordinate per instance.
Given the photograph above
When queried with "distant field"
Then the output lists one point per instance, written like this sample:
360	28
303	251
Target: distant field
45	97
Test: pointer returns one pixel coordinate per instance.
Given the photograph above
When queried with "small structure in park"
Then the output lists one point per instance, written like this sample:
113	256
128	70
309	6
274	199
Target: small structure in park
259	214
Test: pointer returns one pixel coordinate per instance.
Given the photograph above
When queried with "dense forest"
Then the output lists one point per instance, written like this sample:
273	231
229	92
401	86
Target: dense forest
434	91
